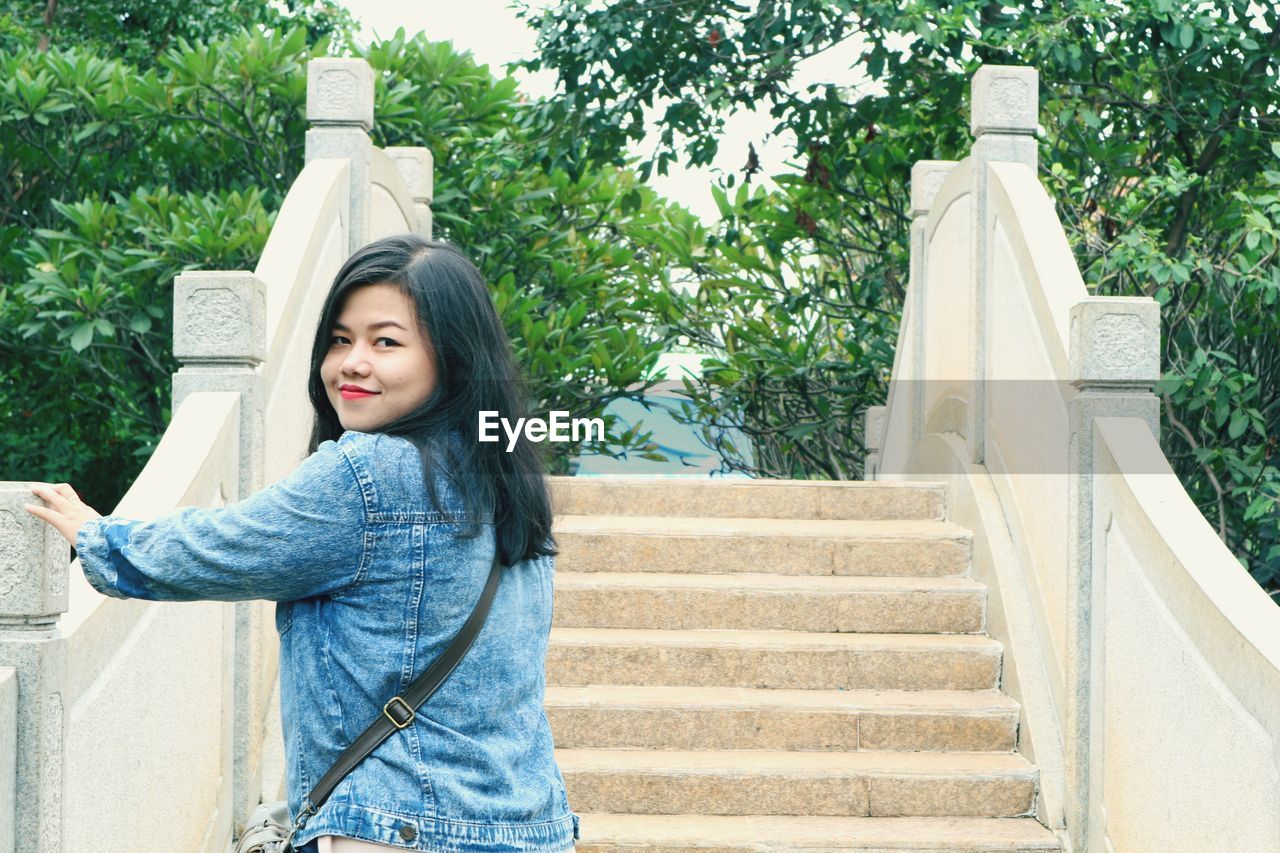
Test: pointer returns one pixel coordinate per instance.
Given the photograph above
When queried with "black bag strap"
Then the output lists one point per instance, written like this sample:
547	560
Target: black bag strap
399	712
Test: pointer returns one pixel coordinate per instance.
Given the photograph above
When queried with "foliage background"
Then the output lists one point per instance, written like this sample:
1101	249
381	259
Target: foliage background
142	137
1160	144
145	139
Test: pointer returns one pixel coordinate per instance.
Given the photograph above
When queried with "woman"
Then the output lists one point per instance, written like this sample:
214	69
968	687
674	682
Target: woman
376	549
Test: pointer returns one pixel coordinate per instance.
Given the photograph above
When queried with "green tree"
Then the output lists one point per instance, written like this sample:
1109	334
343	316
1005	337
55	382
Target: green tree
93	232
140	31
182	165
1158	127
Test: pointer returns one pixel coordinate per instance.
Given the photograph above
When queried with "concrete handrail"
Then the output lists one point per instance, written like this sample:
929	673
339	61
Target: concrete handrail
1186	669
1044	258
185	469
1048	434
108	668
301	242
954	189
131	666
390	188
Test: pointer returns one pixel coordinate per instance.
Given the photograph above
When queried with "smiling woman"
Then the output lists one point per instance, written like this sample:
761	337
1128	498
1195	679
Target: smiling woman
379	366
376	550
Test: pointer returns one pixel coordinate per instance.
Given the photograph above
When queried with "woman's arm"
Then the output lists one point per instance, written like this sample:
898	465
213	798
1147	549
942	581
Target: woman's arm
301	537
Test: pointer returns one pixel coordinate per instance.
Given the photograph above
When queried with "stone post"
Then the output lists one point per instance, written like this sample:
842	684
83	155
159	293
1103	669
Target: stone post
416	168
34	563
8	758
927	177
340	110
1115	362
219	335
873	440
1003	107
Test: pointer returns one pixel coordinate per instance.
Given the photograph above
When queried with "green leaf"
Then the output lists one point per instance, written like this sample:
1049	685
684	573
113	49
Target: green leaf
722	202
544	192
82	337
1261	505
1239	421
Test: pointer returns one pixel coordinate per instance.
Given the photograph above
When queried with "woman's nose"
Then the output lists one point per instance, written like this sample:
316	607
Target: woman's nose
357	360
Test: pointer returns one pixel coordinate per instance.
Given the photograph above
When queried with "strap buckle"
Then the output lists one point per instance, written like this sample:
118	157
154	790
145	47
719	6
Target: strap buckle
298	822
406	718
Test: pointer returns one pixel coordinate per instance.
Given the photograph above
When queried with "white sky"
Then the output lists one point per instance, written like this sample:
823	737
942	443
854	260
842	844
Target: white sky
495	37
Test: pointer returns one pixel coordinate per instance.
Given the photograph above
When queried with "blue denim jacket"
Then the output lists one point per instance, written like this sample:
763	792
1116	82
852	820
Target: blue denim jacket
372	583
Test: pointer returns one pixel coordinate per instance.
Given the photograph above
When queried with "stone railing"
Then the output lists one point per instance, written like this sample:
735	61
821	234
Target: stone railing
1142	654
131	725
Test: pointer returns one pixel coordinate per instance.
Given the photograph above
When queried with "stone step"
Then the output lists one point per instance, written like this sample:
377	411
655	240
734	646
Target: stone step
615	543
952	605
658	717
777	782
625	833
705	497
773	659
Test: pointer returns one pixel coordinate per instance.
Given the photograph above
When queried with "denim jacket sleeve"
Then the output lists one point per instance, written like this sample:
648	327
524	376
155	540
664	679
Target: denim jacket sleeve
302	536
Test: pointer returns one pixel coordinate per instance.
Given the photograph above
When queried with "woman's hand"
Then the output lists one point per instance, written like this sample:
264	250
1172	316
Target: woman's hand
65	511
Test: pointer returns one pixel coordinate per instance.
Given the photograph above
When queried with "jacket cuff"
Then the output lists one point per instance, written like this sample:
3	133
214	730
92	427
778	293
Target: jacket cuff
94	553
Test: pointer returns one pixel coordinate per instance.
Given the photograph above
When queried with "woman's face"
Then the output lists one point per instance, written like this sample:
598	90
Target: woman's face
379	365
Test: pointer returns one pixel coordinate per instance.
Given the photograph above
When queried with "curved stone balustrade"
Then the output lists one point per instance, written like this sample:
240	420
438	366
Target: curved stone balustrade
129	709
1141	652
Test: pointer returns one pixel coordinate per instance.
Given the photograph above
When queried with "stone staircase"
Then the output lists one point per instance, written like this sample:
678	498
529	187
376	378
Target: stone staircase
778	665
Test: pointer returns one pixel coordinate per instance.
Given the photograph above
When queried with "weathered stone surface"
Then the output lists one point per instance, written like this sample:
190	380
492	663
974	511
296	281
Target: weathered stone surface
1115	341
350	143
424	219
758	781
34	561
219	316
416	167
849	500
248	384
616	833
772	659
743	601
340	91
8	756
38	664
809	547
945	729
665	717
1005	99
927	177
873	429
1006	795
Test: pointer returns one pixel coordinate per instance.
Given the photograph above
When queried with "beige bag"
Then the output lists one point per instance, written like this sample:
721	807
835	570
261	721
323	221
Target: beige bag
268	830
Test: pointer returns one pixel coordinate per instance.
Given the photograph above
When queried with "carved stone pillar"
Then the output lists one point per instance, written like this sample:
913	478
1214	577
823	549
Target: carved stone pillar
1003	113
1115	362
873	440
927	177
340	109
416	168
34	562
219	335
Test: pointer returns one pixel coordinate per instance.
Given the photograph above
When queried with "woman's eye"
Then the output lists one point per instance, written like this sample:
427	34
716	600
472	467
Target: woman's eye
339	339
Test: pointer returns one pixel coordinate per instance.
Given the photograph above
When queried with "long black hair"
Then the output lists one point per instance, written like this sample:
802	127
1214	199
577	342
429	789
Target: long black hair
475	371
